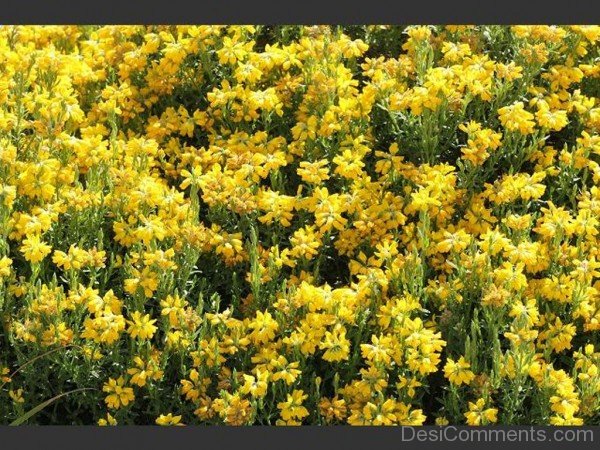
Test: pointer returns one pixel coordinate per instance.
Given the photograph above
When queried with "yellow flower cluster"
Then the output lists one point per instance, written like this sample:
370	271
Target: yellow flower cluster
288	225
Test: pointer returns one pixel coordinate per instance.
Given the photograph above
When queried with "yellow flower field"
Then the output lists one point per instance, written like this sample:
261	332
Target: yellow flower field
285	225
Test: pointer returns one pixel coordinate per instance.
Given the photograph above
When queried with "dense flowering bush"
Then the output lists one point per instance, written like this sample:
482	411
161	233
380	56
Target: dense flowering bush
300	225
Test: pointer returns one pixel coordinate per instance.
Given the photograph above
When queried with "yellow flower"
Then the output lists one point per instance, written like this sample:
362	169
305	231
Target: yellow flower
263	327
284	370
515	118
169	420
142	372
4	374
314	172
257	385
5	265
16	395
441	421
109	420
305	243
479	415
333	409
34	249
118	394
292	408
458	372
141	326
335	344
